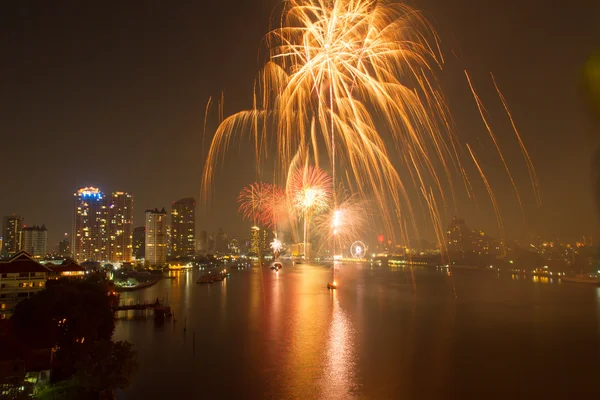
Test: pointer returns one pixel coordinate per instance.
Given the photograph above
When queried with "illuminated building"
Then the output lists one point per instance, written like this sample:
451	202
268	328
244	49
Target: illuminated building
222	242
139	242
259	241
90	225
68	269
20	278
234	246
297	249
11	234
102	226
64	247
156	236
34	240
120	212
183	228
457	236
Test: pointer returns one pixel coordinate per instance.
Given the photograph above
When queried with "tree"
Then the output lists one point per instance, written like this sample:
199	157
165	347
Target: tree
65	314
106	366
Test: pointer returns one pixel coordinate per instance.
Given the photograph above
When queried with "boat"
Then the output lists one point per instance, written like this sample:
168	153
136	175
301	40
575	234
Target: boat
129	288
590	279
276	266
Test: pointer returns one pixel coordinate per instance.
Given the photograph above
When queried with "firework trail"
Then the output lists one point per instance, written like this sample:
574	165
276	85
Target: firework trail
309	191
354	80
345	223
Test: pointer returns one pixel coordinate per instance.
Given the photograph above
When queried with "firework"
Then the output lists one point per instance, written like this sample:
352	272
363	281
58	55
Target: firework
310	190
276	246
353	80
333	65
346	223
263	204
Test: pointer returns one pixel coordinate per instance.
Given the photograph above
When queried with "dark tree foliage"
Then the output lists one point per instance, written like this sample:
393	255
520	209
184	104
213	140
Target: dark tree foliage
65	314
106	366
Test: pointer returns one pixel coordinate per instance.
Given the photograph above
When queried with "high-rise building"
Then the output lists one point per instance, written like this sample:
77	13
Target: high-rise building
34	240
156	236
203	242
90	225
102	226
259	241
222	242
457	236
120	213
234	246
11	234
139	242
183	228
64	247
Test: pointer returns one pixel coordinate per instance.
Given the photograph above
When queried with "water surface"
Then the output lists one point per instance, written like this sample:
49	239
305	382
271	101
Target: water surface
262	334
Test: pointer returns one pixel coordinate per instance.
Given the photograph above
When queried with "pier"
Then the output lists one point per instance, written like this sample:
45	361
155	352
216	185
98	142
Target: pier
160	310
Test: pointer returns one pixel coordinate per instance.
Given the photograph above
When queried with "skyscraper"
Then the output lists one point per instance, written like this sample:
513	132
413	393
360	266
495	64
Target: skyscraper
102	226
156	236
11	234
139	242
90	225
183	228
203	242
222	242
34	240
64	247
121	227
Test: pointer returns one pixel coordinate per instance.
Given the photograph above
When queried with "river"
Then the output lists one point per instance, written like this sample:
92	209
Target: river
283	335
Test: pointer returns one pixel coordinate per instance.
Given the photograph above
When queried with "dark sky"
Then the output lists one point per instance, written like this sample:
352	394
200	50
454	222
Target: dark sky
113	93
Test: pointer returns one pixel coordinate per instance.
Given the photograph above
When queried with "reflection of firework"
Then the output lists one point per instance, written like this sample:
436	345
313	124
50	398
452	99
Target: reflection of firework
262	203
310	190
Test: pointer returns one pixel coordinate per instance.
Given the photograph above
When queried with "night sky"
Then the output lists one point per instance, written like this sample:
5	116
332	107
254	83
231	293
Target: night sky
113	93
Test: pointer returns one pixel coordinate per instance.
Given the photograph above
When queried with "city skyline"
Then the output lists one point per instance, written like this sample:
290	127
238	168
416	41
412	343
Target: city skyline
549	112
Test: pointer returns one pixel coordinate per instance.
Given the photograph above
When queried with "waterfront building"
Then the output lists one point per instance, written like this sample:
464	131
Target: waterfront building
156	236
68	269
183	228
203	242
222	242
20	278
234	246
90	225
259	241
102	226
34	240
120	213
11	234
139	242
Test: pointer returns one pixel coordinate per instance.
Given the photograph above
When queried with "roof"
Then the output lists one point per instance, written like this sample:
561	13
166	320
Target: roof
70	266
21	262
187	200
35	228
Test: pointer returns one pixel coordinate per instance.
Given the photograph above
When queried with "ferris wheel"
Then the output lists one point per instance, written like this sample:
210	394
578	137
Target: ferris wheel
358	249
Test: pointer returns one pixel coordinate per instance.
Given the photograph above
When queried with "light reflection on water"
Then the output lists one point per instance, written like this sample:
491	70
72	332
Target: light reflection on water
262	334
339	379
